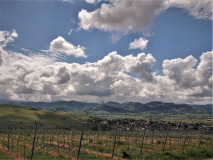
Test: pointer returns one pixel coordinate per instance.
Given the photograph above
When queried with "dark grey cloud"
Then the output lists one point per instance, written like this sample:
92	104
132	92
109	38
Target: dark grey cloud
63	75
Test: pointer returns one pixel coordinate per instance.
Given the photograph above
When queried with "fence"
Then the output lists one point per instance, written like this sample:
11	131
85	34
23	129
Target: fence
84	141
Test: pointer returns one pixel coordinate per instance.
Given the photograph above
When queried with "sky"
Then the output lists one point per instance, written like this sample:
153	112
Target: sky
111	50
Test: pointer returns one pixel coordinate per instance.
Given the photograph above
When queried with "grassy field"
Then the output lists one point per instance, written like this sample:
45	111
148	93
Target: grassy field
64	144
63	141
4	155
15	114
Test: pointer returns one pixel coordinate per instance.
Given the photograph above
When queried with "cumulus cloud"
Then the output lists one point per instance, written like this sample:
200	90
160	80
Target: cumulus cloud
124	16
37	77
63	75
7	37
3	53
40	78
186	76
94	1
121	16
61	45
141	65
181	70
140	43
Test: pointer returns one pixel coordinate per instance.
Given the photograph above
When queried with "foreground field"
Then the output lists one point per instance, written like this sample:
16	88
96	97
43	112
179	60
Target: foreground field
57	135
72	143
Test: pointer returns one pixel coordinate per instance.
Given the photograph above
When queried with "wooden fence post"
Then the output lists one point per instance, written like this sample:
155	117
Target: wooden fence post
142	140
17	147
119	135
126	134
64	135
18	134
43	134
153	137
58	147
12	142
24	151
79	149
8	140
69	145
201	136
165	139
34	140
185	139
98	130
114	140
73	131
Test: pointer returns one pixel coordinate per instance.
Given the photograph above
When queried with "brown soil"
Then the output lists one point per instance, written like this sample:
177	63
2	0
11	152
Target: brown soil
12	154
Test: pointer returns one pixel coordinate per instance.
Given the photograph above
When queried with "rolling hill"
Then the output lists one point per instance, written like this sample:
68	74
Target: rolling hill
17	114
128	109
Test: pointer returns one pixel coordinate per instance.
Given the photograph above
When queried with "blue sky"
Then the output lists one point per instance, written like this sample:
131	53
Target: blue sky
174	31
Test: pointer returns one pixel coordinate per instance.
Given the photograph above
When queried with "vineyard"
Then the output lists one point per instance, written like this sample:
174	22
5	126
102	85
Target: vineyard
82	141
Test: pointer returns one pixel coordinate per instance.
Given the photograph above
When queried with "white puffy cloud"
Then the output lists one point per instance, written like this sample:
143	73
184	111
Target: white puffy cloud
198	81
122	16
61	45
140	43
7	37
3	53
90	1
40	78
181	70
140	65
94	1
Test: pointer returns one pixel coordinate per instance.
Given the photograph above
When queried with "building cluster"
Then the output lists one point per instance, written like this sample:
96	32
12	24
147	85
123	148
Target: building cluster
142	124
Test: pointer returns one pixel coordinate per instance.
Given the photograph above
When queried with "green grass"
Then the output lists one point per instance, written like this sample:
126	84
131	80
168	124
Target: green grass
188	155
104	144
41	155
4	156
102	147
25	115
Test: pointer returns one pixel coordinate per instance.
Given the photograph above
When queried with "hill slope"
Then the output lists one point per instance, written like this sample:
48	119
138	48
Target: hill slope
129	109
17	114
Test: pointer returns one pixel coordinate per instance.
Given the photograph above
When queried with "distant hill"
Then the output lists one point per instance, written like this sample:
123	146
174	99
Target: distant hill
128	109
44	105
207	106
13	106
18	114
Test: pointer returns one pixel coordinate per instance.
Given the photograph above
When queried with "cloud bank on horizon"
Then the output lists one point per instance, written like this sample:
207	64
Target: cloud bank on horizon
39	76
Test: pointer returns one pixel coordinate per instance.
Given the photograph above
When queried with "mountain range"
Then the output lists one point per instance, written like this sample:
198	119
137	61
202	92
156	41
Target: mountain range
128	109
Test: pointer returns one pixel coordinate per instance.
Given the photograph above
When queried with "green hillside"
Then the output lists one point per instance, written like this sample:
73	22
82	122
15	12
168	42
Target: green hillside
17	114
153	110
